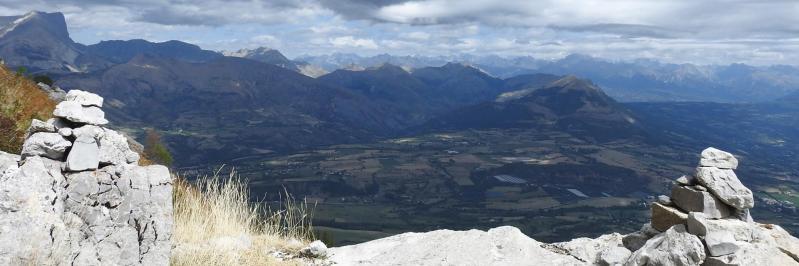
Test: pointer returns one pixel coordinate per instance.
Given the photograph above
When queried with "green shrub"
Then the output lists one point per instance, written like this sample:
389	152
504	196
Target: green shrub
155	150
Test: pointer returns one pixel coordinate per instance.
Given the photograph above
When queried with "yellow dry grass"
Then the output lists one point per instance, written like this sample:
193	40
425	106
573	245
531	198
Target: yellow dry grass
215	224
20	101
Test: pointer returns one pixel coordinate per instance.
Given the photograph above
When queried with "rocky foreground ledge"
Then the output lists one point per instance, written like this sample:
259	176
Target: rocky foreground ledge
706	221
77	196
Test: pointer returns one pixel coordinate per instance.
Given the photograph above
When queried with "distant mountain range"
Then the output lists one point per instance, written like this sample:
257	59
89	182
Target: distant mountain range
640	80
216	106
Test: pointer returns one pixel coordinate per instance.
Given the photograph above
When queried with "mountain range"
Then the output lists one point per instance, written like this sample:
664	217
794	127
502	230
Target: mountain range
633	81
256	101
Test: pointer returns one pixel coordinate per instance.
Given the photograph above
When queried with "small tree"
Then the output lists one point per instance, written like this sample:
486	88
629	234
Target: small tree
156	150
21	71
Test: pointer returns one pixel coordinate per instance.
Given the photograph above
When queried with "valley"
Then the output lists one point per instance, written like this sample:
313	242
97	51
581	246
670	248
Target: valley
461	180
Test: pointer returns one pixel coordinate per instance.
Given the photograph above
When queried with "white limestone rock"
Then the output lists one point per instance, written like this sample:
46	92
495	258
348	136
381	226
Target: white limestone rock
85	155
614	256
75	112
699	224
84	98
673	247
753	254
499	246
587	249
123	214
712	157
54	92
113	146
665	200
39	126
8	160
65	132
686	180
49	145
787	243
114	149
720	243
724	184
59	123
31	204
316	249
690	200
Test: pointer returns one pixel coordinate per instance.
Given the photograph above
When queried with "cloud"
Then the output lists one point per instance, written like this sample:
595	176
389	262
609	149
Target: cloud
350	41
712	31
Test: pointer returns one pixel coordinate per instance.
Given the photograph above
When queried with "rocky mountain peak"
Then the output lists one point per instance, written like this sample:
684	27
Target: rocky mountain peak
391	68
574	83
40	42
53	23
265	55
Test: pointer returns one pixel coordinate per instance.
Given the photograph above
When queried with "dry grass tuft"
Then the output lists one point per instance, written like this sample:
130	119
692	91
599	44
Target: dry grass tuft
215	224
20	101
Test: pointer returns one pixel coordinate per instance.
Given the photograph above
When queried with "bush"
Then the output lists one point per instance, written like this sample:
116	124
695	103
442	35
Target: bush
215	224
43	79
155	150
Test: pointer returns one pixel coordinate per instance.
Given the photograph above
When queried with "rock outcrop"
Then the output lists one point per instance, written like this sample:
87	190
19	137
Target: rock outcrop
706	221
77	196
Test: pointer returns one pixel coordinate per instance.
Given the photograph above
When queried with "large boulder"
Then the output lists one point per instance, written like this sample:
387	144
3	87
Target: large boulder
49	145
75	112
712	157
674	247
124	214
692	200
31	205
700	225
724	184
499	246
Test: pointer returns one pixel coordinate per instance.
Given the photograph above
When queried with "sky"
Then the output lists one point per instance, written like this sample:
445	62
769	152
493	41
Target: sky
679	31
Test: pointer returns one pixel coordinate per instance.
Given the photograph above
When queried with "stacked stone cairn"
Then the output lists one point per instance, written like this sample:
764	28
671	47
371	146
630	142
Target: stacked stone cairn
706	221
77	196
